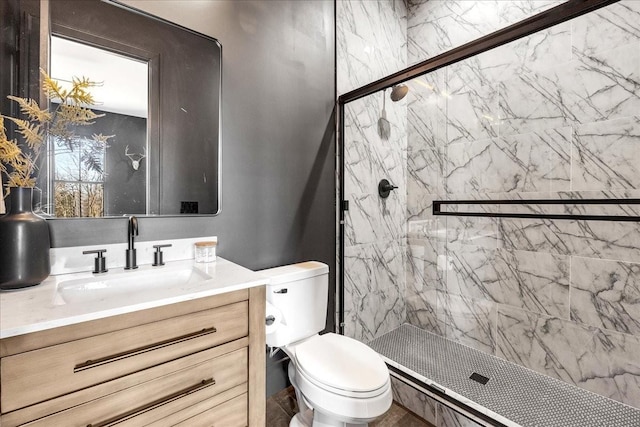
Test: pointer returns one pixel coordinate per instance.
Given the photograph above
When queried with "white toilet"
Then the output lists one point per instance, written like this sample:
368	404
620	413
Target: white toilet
339	381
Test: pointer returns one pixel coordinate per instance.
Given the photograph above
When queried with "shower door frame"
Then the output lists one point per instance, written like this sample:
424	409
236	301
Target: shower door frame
546	19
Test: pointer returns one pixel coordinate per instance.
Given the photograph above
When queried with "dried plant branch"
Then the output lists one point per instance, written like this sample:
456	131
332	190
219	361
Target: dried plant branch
19	160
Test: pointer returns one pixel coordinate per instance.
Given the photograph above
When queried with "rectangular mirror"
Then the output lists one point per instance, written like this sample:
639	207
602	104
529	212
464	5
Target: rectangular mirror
159	102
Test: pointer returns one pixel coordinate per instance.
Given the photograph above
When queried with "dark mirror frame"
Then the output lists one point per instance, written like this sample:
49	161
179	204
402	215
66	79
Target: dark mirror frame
173	121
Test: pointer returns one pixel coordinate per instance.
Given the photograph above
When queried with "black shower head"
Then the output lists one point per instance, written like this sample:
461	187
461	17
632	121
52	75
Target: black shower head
398	92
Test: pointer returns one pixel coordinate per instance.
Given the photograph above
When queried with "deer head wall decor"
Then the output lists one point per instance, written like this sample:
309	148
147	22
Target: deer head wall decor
135	163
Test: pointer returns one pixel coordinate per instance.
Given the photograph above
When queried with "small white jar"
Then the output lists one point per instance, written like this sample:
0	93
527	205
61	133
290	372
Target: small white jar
205	251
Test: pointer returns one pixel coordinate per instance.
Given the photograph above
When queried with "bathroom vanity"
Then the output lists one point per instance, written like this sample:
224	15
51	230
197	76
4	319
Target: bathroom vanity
79	350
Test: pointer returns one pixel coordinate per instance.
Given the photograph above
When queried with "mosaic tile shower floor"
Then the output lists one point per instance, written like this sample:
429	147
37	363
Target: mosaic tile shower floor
519	395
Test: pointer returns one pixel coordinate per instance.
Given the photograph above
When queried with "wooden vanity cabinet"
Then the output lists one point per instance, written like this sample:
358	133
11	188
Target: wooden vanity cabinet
199	362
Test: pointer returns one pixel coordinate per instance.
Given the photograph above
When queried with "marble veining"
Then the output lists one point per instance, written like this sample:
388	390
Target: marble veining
529	102
538	161
545	344
550	116
478	232
534	53
371	38
510	12
374	303
601	361
606	294
471	322
437	26
535	281
601	86
472	115
424	171
605	155
596	239
422	311
426	111
615	25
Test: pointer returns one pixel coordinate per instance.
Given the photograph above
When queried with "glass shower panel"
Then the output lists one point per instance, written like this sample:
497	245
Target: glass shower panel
426	234
554	115
550	116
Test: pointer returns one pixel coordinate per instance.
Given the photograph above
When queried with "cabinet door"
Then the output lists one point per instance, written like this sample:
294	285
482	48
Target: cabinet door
156	399
38	375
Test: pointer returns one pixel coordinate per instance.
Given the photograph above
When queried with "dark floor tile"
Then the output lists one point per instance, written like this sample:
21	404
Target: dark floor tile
398	416
282	406
287	401
276	416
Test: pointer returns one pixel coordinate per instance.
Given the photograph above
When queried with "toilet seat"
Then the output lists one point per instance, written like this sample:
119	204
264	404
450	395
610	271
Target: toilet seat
348	409
342	366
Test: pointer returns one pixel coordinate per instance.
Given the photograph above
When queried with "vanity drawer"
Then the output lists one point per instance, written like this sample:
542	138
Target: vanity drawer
232	413
153	401
37	375
226	413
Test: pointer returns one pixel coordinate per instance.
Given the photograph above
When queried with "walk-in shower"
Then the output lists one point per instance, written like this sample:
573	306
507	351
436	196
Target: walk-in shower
521	121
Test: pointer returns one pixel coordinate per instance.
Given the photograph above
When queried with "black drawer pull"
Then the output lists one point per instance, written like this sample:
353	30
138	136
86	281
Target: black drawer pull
137	351
155	404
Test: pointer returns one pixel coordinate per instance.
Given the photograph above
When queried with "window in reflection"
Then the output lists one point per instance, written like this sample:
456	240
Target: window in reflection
79	178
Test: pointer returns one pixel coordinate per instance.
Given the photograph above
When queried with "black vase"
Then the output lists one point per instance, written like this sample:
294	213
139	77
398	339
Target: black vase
24	243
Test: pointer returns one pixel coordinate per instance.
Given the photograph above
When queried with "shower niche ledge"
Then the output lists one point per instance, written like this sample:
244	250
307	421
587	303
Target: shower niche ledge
493	391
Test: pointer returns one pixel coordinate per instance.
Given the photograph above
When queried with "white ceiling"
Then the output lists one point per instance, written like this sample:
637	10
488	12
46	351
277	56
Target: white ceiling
124	80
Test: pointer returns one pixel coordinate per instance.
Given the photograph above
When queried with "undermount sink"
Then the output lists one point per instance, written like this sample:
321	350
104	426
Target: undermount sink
128	283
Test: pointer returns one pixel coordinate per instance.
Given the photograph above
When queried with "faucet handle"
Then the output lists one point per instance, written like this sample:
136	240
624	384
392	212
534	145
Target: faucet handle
100	263
157	256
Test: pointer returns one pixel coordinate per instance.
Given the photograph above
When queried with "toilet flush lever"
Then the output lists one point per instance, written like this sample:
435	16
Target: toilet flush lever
281	291
270	319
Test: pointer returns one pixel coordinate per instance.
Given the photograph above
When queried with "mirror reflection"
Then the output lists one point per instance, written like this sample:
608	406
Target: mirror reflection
107	175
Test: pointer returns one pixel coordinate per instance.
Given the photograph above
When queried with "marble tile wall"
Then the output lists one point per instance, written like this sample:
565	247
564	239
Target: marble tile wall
555	115
436	26
371	37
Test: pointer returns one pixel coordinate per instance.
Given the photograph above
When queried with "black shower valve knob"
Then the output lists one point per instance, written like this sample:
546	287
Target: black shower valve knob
385	187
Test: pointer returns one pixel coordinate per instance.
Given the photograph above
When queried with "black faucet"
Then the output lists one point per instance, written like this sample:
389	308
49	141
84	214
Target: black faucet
131	251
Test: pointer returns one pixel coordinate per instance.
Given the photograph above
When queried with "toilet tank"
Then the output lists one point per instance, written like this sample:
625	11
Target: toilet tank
298	294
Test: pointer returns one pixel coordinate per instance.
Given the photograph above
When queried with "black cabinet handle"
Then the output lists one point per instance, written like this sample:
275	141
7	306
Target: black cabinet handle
155	404
119	356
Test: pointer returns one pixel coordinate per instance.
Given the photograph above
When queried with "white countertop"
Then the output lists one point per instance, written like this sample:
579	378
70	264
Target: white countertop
44	306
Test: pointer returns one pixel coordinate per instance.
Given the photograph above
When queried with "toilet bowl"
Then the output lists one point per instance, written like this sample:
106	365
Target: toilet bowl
339	382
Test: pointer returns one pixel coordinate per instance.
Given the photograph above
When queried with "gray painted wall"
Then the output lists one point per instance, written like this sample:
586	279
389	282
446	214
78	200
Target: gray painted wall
278	145
278	140
8	47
